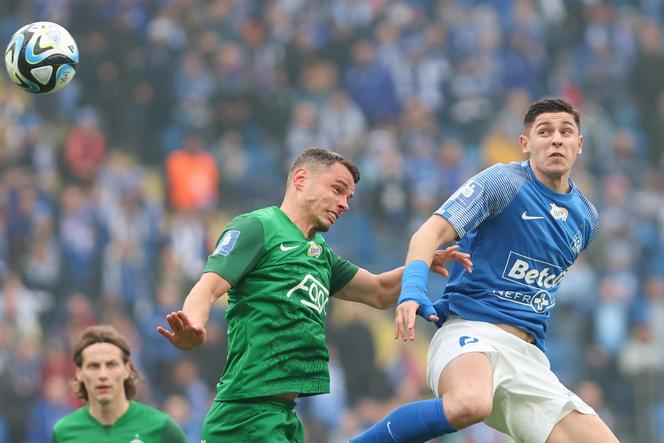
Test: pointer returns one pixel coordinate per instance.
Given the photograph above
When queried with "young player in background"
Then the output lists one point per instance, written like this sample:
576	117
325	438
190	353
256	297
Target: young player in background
107	381
524	224
279	274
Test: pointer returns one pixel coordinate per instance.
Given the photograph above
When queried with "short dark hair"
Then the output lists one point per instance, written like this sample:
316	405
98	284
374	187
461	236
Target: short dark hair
549	105
325	157
104	334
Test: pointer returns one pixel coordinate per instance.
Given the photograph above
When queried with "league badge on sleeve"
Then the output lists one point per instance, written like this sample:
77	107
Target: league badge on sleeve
227	243
468	193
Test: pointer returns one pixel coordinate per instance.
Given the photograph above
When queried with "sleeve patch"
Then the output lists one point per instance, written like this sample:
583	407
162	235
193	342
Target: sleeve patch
468	193
227	243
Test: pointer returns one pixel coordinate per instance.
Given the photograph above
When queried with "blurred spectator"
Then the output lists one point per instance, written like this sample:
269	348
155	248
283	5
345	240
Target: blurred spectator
185	381
85	149
647	76
132	226
342	124
370	85
81	235
159	353
642	361
50	406
303	130
193	176
22	308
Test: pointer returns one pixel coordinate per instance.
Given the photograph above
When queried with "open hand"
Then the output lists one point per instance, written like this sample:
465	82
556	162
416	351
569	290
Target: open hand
184	334
450	253
404	320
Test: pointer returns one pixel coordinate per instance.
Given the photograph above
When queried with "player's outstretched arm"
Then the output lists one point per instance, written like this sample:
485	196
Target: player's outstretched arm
414	298
187	327
382	290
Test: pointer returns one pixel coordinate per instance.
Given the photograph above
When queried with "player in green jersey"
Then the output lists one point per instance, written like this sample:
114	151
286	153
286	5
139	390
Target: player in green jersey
279	274
107	381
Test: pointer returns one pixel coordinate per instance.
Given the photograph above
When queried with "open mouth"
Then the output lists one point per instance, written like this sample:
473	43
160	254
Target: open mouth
333	215
556	155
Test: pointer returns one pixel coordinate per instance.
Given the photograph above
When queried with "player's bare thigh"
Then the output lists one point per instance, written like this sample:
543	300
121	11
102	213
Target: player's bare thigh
581	428
466	387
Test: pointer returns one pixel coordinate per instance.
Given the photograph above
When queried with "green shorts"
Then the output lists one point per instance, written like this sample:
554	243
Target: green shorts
260	420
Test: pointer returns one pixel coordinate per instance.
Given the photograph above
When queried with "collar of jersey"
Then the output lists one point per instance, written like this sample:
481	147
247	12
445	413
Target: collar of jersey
316	238
548	191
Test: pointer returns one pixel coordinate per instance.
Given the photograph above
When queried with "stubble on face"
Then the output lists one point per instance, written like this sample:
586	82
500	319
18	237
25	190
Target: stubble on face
328	187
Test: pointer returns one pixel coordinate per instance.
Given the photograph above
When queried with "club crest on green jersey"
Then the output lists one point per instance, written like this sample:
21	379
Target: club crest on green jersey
136	439
314	250
313	293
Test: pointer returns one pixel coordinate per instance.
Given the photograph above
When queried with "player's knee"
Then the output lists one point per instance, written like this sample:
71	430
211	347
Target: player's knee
468	409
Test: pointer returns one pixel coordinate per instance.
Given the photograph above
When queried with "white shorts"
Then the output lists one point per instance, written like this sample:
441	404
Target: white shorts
528	399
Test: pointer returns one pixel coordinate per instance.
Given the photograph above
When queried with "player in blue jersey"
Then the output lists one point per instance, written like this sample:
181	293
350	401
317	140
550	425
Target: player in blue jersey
524	224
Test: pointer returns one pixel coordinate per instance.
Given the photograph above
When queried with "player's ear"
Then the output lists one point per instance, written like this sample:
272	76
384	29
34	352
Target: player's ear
580	150
299	177
127	370
523	141
77	374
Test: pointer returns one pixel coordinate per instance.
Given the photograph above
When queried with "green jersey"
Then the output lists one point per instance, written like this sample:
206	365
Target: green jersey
140	424
281	283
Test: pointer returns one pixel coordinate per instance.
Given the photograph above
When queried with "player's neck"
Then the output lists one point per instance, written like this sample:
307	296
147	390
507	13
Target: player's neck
108	414
557	183
298	218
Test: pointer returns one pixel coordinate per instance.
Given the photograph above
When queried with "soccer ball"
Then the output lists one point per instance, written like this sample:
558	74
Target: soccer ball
41	57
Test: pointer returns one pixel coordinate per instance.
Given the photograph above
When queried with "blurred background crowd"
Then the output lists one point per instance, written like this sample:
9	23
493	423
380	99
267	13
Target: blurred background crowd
186	112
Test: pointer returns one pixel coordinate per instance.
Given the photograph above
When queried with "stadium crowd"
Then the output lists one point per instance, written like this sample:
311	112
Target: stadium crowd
186	112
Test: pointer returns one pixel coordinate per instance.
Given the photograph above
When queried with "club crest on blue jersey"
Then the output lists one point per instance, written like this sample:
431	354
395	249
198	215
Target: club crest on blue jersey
558	212
227	243
314	250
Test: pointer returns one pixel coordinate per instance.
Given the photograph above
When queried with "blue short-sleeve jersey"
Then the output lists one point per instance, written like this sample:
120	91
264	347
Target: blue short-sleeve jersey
522	237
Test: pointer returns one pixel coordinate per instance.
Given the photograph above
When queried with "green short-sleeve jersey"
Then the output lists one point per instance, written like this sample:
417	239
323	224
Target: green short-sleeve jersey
281	283
140	424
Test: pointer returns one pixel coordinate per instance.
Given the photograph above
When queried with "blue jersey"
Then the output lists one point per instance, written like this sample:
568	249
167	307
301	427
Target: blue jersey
522	237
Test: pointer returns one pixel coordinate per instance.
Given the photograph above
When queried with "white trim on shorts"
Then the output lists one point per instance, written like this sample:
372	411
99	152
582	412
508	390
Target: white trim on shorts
528	398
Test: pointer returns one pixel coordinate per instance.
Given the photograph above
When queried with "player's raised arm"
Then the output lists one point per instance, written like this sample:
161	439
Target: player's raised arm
382	290
414	298
188	325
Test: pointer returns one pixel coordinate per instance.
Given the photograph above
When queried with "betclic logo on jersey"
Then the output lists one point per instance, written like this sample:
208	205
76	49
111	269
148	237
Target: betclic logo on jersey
531	272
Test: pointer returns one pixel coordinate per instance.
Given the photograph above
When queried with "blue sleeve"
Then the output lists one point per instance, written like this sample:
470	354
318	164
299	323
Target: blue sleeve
593	222
483	196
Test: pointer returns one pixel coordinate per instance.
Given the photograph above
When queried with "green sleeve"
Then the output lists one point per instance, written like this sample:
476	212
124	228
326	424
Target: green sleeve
171	432
54	439
238	249
342	272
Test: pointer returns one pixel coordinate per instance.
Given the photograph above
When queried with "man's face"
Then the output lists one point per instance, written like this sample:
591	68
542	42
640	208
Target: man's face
327	194
553	142
103	373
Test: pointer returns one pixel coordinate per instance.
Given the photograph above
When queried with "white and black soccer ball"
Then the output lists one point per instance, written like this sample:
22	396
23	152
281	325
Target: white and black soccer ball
41	57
